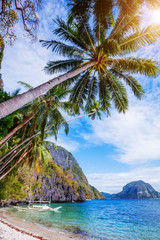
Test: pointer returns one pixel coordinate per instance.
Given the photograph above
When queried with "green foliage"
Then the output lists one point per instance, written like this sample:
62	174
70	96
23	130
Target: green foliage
27	180
7	122
111	70
64	65
13	189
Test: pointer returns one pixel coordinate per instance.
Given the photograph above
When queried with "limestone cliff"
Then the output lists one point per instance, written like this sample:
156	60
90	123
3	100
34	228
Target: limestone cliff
59	181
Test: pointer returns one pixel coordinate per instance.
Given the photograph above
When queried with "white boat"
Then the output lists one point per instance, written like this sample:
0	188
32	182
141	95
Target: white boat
39	208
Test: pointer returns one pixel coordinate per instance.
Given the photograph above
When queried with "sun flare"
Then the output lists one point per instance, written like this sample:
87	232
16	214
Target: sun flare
156	16
151	17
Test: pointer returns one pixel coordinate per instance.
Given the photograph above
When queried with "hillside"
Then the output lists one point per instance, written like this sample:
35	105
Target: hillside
108	195
59	181
137	190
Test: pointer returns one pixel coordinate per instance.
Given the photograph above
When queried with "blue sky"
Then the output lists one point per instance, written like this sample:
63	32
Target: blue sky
115	150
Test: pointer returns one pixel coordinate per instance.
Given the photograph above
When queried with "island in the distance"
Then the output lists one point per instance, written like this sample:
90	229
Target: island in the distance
135	190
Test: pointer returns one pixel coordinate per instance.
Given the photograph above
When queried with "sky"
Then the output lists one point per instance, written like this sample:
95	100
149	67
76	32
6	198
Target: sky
115	150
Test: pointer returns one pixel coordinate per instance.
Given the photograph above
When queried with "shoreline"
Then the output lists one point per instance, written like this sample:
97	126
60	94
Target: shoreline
12	227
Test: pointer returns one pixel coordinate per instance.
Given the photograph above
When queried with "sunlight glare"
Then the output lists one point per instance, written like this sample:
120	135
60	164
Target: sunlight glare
156	17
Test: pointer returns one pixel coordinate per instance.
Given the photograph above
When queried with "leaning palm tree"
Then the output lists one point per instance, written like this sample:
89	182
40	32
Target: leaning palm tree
45	120
98	62
34	149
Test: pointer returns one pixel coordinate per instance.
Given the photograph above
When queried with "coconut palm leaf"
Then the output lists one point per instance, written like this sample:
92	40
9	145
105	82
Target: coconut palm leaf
63	49
61	65
26	85
133	42
132	6
103	14
137	65
124	24
111	47
92	89
79	10
118	92
70	33
104	94
130	81
80	90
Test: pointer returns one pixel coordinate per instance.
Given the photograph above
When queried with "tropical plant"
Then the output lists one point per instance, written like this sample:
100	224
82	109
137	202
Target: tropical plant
33	149
99	60
8	122
103	11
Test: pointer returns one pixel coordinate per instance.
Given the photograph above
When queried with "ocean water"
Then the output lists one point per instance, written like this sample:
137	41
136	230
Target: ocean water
102	219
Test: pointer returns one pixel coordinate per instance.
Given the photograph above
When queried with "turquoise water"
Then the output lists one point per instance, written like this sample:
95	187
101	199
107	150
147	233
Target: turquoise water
103	219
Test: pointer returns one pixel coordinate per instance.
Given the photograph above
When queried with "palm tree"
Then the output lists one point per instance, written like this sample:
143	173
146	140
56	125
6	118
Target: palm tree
44	119
34	150
98	61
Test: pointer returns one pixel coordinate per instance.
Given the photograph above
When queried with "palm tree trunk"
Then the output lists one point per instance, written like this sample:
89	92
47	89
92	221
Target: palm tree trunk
5	164
10	134
19	145
17	102
12	157
20	159
38	133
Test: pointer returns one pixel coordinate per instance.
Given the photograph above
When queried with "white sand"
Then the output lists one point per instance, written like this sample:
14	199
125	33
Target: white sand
8	232
12	228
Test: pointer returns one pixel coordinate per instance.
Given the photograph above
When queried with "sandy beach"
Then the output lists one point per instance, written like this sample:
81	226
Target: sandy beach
14	229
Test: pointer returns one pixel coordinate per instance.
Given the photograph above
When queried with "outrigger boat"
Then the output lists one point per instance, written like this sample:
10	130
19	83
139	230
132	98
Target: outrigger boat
43	208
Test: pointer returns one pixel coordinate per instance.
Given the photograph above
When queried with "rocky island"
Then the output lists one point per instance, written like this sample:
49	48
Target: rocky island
137	190
61	180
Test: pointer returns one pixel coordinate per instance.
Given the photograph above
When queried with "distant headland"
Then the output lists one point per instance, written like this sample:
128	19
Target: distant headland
135	190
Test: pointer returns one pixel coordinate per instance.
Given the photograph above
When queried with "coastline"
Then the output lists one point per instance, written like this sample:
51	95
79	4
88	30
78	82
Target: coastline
13	228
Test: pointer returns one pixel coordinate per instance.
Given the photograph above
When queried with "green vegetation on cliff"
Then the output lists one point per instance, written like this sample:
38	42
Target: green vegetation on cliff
60	180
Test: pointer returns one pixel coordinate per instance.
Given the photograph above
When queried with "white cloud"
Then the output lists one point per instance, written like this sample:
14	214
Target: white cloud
136	135
69	145
114	182
66	142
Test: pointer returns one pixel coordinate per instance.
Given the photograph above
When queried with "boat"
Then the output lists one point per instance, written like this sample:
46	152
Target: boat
43	208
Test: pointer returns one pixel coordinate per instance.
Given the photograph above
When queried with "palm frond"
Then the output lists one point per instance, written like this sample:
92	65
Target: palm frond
70	33
124	24
104	94
80	89
103	13
61	65
140	38
92	89
130	81
129	7
111	46
137	65
118	92
152	4
15	93
26	85
69	82
79	10
63	49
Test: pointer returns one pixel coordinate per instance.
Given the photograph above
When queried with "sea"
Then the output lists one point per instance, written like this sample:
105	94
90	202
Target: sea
101	219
